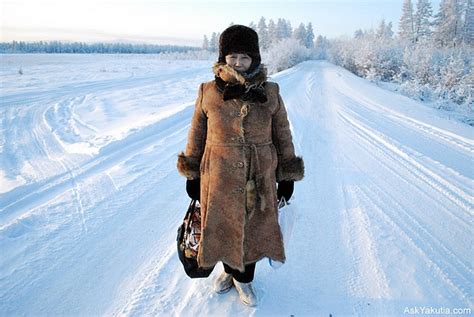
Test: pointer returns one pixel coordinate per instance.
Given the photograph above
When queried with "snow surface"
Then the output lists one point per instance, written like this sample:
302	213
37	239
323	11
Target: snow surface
90	198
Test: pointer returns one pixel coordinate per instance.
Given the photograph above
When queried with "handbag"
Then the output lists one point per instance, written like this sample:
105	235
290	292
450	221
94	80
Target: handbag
286	219
189	235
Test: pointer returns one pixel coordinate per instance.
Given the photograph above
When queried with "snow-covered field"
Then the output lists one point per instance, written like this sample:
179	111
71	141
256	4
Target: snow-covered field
90	198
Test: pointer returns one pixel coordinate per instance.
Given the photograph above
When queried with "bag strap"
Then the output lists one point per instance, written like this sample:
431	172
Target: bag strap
189	213
282	203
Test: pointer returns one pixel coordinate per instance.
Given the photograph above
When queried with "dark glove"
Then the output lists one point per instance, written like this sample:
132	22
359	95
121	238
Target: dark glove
285	189
193	188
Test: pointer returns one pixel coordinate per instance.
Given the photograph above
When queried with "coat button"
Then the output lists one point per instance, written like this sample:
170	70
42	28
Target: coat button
238	164
241	140
240	189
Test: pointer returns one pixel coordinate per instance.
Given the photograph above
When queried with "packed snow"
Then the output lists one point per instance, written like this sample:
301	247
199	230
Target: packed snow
90	198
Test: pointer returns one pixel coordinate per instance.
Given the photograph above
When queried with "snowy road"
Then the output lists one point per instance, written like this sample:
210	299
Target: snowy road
90	198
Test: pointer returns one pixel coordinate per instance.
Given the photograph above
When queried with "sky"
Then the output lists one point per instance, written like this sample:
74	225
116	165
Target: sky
181	22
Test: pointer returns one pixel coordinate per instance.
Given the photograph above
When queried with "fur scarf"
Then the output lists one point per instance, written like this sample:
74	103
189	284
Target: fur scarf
237	85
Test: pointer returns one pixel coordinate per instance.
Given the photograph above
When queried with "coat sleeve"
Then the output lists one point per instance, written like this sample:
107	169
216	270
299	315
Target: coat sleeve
290	167
190	160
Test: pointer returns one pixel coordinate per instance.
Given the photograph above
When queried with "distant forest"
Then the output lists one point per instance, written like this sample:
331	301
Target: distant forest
87	48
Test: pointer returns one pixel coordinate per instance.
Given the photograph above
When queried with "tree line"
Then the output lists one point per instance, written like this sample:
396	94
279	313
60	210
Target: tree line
431	57
269	34
451	26
87	48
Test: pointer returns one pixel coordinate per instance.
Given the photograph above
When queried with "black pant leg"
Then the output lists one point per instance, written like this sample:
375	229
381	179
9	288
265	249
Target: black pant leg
245	277
228	269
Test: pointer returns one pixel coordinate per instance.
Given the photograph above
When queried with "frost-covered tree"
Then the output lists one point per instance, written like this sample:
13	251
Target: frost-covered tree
272	32
448	27
280	29
218	36
283	29
300	34
288	28
406	26
416	71
422	19
205	43
285	54
358	34
452	80
321	47
425	71
384	31
389	30
253	26
214	42
309	43
262	31
380	32
468	29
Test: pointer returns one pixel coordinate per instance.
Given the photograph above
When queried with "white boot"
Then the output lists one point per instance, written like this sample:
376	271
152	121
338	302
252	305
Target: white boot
246	293
223	283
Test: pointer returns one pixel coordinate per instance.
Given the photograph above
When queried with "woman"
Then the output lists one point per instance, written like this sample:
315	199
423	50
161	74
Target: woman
239	146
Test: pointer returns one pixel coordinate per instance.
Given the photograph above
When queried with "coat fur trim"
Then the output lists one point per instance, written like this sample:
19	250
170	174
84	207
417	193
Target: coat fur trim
291	170
230	75
251	194
188	166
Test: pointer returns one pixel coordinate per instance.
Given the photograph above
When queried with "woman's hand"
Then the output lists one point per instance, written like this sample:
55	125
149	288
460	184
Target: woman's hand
285	189
193	188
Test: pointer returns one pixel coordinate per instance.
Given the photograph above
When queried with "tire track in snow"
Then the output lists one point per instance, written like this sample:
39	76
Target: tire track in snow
114	221
61	159
63	121
366	268
75	89
109	156
75	190
369	263
453	272
351	242
367	280
391	161
456	141
448	189
144	289
414	183
458	167
438	251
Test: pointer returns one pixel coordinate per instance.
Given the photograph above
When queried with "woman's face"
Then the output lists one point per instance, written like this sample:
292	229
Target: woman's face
238	61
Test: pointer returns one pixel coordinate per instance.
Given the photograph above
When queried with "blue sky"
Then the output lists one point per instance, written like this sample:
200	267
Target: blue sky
181	22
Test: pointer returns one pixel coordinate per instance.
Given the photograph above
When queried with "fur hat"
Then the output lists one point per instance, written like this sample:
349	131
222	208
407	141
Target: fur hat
240	39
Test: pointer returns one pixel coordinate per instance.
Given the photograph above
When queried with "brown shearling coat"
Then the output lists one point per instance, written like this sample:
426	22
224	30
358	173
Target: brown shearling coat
239	150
